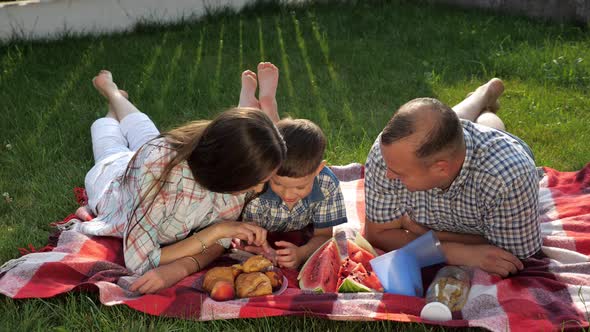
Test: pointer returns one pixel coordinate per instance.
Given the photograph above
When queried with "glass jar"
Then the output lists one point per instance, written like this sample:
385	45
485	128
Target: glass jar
447	293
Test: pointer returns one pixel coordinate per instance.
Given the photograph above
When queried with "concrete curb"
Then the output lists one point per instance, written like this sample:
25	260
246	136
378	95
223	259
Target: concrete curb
50	19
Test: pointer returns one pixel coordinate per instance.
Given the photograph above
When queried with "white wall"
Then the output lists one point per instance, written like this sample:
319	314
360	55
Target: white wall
50	18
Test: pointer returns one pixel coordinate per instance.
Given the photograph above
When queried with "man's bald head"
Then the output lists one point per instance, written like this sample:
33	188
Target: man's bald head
429	124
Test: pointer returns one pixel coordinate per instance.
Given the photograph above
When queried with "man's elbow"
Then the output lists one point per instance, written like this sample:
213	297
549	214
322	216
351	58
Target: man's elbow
372	234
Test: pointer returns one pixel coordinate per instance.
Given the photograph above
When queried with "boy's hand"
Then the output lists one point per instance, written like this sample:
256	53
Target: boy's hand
289	256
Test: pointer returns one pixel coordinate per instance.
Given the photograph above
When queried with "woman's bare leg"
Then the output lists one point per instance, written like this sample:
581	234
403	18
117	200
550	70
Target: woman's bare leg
248	91
118	103
268	80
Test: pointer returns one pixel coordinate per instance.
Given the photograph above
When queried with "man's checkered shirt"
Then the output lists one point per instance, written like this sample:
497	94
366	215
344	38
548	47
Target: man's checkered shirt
495	195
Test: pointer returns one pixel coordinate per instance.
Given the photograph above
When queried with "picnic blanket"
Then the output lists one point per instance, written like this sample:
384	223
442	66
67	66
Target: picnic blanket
549	294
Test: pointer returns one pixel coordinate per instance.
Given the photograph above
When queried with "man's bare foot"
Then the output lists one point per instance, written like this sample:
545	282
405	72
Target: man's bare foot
482	99
268	80
493	89
248	92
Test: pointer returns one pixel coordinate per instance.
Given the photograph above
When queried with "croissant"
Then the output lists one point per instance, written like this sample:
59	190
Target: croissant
256	264
253	284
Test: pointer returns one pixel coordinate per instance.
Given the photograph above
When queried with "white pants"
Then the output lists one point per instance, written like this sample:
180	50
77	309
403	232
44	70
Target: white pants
114	143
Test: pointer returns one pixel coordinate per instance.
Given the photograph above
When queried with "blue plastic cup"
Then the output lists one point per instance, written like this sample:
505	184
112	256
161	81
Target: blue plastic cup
399	271
426	249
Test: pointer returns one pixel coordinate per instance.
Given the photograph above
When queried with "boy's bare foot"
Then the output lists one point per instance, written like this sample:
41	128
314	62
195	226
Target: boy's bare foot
248	92
268	80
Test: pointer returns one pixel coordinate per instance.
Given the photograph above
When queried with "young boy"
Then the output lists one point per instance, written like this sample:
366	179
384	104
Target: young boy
302	201
304	196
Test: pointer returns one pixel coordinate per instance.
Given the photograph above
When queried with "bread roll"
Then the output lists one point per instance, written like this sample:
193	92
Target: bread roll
253	284
256	264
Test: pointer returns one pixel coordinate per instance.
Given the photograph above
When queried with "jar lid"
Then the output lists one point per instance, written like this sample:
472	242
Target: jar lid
436	311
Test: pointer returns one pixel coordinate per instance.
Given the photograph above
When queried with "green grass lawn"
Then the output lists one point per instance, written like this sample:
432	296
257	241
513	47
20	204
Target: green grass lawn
345	66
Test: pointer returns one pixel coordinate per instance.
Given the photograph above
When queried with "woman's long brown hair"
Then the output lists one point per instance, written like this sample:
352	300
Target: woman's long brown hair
235	151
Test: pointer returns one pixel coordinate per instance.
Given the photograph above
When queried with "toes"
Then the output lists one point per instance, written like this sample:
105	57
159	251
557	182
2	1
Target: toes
264	65
249	73
106	73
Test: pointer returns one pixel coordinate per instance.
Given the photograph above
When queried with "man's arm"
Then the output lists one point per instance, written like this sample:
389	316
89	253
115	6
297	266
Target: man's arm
487	257
419	229
464	249
395	234
388	236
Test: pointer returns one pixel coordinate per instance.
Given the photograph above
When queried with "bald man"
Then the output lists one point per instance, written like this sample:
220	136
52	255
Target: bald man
457	172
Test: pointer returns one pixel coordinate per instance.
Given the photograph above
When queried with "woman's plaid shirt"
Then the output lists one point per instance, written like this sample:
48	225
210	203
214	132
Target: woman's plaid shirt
181	206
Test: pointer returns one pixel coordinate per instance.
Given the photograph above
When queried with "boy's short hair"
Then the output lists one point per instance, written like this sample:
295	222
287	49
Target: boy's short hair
306	144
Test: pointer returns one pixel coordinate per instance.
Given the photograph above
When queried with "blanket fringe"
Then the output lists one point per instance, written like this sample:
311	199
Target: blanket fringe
31	249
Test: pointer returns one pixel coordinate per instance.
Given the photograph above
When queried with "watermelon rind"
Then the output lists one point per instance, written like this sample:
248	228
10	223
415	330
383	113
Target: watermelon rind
319	273
316	252
351	286
363	243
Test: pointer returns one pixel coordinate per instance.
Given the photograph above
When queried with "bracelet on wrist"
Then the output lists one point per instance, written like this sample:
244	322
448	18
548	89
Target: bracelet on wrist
196	263
203	245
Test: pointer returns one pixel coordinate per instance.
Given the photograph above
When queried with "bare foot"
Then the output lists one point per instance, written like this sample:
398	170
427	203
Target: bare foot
483	99
103	82
268	80
248	92
118	103
493	90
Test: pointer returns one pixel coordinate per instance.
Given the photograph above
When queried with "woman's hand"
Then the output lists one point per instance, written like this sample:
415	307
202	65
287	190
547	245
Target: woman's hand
161	277
249	232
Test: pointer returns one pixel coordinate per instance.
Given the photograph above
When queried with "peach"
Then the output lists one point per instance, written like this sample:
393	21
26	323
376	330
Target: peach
223	291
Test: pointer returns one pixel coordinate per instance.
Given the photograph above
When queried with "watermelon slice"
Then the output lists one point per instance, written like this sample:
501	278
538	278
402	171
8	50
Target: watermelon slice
340	264
348	244
353	277
363	243
345	270
351	285
359	255
320	272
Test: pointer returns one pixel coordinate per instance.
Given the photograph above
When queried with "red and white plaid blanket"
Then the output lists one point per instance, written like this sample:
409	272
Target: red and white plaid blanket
549	294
